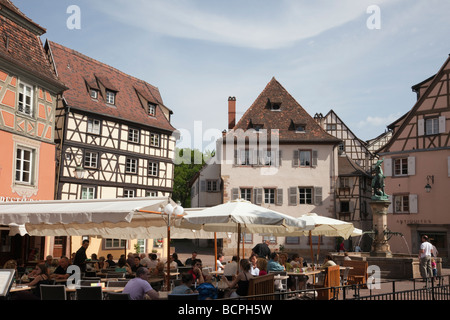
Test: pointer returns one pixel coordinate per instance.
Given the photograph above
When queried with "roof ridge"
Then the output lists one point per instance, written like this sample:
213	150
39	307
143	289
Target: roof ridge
85	57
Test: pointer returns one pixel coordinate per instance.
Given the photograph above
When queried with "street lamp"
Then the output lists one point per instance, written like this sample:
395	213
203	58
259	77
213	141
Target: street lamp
170	214
428	186
79	172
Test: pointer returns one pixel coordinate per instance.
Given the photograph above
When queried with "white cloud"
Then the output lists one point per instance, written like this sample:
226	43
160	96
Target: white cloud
276	25
377	121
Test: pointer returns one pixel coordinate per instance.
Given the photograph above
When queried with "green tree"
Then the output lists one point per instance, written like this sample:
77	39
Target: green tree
188	163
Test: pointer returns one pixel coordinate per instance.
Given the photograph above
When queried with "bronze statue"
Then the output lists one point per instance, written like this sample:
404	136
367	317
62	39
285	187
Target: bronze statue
378	183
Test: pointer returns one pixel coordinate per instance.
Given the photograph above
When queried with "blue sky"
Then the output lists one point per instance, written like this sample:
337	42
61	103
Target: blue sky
198	53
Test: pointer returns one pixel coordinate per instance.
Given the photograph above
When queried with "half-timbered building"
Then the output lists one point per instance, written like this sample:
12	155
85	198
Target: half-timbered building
29	91
114	127
353	186
417	167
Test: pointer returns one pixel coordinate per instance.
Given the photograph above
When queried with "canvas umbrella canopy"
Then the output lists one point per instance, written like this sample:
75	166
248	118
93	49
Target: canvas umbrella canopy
239	216
325	226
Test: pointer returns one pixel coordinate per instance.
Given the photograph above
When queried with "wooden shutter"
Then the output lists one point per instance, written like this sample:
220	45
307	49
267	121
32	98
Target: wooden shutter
391	205
387	167
421	127
442	124
317	196
234	193
279	197
278	161
258	195
293	196
411	166
413	203
315	156
236	157
202	185
296	158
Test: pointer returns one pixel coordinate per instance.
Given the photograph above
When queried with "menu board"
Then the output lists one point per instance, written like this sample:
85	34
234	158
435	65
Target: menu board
6	280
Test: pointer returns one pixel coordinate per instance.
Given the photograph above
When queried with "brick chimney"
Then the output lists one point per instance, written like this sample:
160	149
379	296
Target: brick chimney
231	112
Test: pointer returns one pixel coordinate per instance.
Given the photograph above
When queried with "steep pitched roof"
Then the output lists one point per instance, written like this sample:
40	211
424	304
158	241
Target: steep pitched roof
286	119
80	73
21	46
431	87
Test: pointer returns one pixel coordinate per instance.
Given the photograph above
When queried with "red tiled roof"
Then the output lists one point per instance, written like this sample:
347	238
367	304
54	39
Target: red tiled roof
290	115
20	43
79	72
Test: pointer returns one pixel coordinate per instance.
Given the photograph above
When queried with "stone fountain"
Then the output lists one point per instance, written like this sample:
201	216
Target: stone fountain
391	266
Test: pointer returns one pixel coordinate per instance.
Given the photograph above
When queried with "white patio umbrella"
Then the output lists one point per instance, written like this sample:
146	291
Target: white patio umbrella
325	226
239	216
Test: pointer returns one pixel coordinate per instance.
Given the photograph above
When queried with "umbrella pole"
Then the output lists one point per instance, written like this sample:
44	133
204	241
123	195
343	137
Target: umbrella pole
168	259
318	250
215	251
239	241
311	247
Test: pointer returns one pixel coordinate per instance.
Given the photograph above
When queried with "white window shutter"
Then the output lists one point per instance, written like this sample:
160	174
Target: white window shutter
279	197
293	199
315	156
296	158
442	124
202	185
234	193
317	196
413	203
421	127
411	166
387	167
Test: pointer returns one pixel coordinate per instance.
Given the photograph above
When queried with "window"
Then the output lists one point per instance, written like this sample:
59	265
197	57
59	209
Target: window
305	158
401	166
246	194
131	165
300	128
151	109
93	126
244	157
93	93
432	126
110	97
26	99
133	135
149	193
345	206
212	186
269	195
153	169
275	106
272	239
305	195
401	204
154	140
24	165
115	243
87	192
90	159
331	127
344	182
129	193
267	158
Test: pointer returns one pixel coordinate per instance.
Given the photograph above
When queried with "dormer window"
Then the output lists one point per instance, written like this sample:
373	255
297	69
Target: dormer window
151	109
275	106
300	128
110	97
258	127
93	93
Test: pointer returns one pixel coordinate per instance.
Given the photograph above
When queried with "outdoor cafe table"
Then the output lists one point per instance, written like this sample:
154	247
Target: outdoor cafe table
296	275
21	287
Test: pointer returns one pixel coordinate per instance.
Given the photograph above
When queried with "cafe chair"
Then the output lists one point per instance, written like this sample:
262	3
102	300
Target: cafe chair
89	293
280	285
118	296
53	292
189	296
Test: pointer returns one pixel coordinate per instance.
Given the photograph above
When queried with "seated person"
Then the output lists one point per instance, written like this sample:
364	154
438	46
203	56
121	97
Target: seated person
328	262
207	290
139	288
60	272
273	264
197	272
187	282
